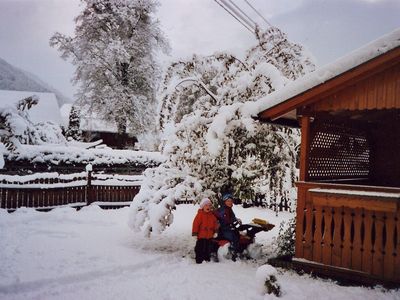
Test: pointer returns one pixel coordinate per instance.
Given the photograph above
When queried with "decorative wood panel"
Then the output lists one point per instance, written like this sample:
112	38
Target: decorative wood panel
337	151
349	229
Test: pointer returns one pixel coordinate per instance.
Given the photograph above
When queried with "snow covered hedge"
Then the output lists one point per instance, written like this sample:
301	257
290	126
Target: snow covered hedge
24	143
70	155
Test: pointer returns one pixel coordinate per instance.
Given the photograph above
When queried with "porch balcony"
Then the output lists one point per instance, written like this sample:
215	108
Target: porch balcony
350	226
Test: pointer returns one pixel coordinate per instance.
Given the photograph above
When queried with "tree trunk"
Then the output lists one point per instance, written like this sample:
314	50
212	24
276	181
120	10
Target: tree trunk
120	120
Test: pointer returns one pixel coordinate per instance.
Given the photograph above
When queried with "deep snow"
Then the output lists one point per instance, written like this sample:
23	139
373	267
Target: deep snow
92	254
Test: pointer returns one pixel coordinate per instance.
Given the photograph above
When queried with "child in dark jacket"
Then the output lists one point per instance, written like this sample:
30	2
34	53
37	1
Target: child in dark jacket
227	220
205	225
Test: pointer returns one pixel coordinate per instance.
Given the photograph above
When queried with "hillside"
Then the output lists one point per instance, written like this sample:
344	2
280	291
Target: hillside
12	78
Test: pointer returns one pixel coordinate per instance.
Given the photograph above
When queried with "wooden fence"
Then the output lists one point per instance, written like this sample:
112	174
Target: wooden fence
45	191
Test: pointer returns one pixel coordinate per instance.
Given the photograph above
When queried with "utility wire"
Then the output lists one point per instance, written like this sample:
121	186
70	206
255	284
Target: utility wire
251	24
243	13
257	12
237	19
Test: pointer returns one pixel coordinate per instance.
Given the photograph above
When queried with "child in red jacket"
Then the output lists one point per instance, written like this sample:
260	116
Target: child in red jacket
205	225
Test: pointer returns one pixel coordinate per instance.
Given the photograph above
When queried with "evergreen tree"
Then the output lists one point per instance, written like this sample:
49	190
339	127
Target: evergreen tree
211	139
73	129
113	51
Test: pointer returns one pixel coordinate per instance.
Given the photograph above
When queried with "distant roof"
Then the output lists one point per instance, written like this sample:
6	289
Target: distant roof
315	79
65	110
89	122
93	123
46	110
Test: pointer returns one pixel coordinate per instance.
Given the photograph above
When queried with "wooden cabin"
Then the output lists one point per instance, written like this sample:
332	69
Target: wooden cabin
93	129
348	206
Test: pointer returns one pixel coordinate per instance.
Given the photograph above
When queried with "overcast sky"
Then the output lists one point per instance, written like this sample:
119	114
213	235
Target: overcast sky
327	28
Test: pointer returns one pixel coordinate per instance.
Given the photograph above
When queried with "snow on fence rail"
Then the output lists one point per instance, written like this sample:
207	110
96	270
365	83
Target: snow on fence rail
49	190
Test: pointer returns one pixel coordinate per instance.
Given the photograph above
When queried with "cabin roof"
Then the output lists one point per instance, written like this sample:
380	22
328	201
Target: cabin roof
92	122
362	62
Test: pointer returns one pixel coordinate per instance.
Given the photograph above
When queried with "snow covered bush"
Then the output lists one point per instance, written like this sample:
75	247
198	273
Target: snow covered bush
285	241
17	127
267	282
210	136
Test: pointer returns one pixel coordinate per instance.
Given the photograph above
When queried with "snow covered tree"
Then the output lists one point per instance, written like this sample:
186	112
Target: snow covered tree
73	129
211	139
16	127
113	51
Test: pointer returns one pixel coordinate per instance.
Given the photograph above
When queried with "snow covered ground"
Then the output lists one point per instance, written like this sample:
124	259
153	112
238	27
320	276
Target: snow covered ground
92	254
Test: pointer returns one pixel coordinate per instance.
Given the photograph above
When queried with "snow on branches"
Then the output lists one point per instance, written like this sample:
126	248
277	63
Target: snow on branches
210	136
113	51
16	128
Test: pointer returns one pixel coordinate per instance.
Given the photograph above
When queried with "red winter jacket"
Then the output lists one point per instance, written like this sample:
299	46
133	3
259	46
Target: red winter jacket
205	224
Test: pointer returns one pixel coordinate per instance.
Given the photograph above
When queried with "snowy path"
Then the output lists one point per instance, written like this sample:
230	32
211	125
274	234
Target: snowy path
92	254
22	287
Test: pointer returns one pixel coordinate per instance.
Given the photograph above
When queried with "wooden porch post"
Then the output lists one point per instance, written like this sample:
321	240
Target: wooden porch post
301	191
304	147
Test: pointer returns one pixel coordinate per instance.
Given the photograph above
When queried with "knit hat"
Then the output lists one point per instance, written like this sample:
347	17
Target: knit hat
227	196
204	202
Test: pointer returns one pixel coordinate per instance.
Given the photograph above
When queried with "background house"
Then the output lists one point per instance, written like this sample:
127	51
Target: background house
93	129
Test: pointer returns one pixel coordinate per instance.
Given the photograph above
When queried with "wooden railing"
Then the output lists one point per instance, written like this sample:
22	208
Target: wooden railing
49	190
349	226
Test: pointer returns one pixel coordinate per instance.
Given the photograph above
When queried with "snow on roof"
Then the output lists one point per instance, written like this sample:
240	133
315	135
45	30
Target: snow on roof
65	110
96	124
323	74
90	122
46	110
87	122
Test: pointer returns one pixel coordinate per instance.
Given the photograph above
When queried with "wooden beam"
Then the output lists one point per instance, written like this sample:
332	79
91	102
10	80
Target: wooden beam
377	203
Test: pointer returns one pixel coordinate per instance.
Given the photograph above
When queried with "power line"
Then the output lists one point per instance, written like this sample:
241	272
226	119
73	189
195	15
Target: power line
246	15
234	14
257	12
239	13
237	19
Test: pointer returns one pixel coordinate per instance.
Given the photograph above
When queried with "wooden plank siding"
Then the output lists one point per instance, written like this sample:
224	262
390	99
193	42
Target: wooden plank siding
346	80
379	91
